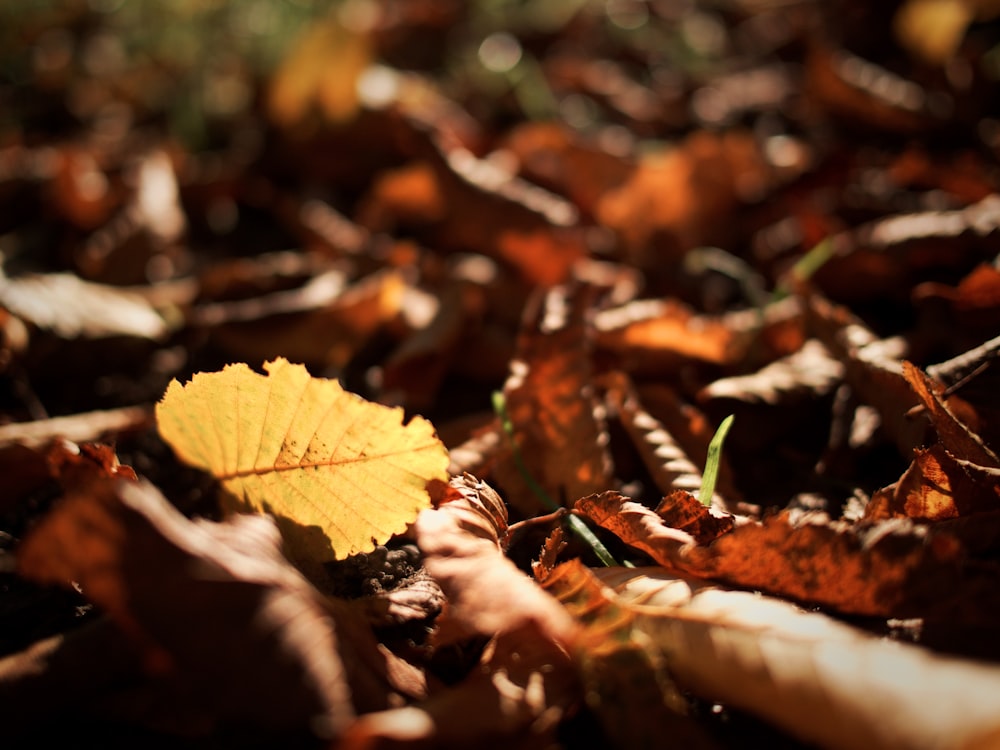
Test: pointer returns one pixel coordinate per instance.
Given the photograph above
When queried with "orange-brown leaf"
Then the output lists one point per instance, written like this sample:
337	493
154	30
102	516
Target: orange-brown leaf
558	426
956	437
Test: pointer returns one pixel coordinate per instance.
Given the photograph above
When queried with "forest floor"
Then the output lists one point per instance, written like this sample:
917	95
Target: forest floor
667	347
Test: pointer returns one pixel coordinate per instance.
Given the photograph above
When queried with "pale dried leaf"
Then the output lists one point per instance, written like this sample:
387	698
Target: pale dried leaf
816	678
73	308
811	371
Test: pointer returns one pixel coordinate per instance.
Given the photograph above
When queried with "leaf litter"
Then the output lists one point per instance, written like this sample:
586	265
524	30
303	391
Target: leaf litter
500	291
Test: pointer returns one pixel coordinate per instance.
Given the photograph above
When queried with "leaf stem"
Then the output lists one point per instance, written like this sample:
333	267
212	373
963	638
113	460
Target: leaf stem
576	524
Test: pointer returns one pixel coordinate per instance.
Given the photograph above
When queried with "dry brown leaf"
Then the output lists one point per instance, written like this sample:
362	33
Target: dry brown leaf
657	335
49	469
461	203
818	679
197	598
973	304
558	423
654	336
956	437
636	525
673	200
682	510
936	487
809	372
553	155
889	569
873	368
627	685
89	427
525	683
412	375
852	87
324	322
462	552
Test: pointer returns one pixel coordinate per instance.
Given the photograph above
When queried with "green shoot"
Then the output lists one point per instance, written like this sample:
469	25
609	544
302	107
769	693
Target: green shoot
576	524
804	268
711	473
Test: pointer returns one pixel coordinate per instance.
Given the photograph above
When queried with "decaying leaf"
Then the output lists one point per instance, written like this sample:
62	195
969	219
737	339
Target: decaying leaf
888	569
558	423
220	619
627	683
71	307
819	679
90	427
872	368
938	486
954	435
672	200
811	371
525	683
342	474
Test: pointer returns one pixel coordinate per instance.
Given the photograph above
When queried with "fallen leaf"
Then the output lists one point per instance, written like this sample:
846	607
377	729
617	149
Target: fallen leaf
89	427
71	307
937	486
197	598
343	473
627	684
683	511
821	680
872	368
664	456
809	372
672	201
320	76
558	424
955	436
525	682
889	569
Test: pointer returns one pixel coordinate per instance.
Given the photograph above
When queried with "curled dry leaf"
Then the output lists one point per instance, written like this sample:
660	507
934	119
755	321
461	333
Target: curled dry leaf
198	598
637	525
342	473
811	371
888	569
819	679
937	486
525	683
956	437
627	683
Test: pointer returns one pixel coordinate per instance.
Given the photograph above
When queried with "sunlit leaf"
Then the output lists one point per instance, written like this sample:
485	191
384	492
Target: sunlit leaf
819	679
308	451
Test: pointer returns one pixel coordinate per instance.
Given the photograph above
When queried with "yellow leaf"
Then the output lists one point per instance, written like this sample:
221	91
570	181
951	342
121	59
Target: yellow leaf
321	72
318	457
